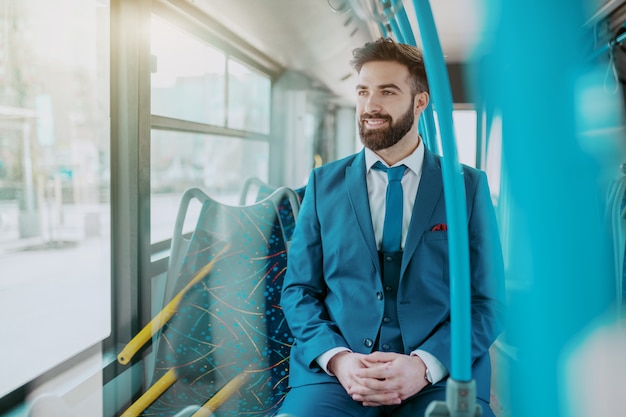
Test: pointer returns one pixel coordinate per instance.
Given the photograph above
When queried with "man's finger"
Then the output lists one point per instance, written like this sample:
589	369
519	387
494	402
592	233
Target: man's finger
374	372
380	357
377	399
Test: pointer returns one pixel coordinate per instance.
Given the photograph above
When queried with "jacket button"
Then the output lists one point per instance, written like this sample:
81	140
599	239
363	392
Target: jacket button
386	319
379	295
368	342
389	258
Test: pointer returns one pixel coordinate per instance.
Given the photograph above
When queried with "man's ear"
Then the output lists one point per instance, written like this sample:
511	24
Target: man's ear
421	101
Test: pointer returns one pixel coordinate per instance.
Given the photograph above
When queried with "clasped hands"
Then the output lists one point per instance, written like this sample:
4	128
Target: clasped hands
379	378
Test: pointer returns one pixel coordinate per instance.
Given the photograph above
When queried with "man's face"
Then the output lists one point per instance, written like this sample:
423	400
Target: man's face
385	104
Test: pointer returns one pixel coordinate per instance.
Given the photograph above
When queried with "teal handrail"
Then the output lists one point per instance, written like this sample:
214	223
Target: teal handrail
422	127
395	28
431	131
383	29
405	27
556	151
454	191
426	121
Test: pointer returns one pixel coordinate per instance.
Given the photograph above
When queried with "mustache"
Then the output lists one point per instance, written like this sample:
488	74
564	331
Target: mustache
372	116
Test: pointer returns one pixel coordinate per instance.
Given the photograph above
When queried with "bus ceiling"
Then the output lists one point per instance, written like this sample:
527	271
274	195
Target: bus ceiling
322	34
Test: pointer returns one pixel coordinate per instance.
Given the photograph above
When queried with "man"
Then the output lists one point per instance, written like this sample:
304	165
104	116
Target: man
372	323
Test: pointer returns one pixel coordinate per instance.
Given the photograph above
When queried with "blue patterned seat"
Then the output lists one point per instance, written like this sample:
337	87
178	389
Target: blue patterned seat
228	327
255	190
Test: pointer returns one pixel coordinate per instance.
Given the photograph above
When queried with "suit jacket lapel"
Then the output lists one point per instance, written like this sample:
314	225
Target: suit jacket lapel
428	193
357	193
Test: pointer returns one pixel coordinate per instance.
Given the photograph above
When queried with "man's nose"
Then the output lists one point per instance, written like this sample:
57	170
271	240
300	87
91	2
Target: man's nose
372	105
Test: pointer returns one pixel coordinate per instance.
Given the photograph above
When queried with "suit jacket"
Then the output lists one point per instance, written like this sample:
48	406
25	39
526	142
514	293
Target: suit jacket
331	292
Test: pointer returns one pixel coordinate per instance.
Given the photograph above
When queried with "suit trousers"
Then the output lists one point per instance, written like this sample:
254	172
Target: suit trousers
332	400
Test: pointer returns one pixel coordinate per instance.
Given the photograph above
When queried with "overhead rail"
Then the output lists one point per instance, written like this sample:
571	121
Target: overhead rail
608	46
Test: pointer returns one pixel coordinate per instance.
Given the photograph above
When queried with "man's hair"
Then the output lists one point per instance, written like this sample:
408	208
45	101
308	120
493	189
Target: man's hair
386	49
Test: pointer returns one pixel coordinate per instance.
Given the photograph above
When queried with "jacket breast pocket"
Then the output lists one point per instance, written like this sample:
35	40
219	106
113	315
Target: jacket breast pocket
436	235
434	255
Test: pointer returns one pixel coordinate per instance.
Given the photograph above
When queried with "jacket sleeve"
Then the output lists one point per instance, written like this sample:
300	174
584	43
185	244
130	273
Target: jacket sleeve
304	287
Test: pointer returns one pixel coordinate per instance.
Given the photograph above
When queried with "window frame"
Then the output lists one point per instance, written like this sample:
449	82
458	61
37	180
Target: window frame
135	259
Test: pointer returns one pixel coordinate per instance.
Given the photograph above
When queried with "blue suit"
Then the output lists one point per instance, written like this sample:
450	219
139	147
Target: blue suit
333	292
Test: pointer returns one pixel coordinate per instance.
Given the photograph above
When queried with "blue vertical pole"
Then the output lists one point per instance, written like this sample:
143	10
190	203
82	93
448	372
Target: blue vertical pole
558	269
383	29
396	30
454	190
405	27
421	127
426	121
431	130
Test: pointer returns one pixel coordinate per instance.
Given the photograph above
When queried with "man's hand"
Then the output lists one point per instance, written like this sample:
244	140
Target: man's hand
346	366
387	378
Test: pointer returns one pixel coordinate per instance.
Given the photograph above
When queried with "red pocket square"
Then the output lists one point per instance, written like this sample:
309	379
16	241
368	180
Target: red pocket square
440	226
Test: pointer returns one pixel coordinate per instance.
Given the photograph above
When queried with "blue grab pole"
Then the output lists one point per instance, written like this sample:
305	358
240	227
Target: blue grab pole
426	121
396	29
383	29
454	190
405	27
431	130
423	129
555	149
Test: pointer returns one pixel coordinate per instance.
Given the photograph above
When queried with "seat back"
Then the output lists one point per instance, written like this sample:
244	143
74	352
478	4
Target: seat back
255	190
228	327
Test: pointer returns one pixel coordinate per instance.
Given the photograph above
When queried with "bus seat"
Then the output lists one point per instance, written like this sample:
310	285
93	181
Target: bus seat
225	349
255	190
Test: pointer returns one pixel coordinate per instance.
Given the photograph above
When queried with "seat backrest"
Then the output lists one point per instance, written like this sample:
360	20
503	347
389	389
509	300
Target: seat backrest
255	190
229	324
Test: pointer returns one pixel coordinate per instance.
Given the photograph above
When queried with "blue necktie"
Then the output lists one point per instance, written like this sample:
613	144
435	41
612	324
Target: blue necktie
392	228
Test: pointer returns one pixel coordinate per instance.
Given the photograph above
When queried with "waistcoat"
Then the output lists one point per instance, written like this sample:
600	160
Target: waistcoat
389	336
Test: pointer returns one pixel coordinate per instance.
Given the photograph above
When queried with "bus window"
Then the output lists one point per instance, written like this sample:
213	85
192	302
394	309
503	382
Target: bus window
180	160
188	79
210	123
464	120
54	184
249	94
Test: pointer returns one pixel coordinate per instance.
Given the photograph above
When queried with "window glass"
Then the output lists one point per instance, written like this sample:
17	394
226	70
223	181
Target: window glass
188	76
249	95
465	133
54	184
219	165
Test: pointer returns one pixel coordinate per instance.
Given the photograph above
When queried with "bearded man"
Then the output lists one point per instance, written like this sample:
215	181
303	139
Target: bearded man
366	293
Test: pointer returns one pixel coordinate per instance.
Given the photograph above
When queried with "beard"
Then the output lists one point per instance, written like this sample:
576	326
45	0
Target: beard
377	139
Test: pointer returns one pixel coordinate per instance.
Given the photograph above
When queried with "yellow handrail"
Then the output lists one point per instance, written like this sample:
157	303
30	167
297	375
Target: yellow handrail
164	315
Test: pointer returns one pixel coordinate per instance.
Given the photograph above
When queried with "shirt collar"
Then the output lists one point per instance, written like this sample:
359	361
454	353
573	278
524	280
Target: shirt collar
414	161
